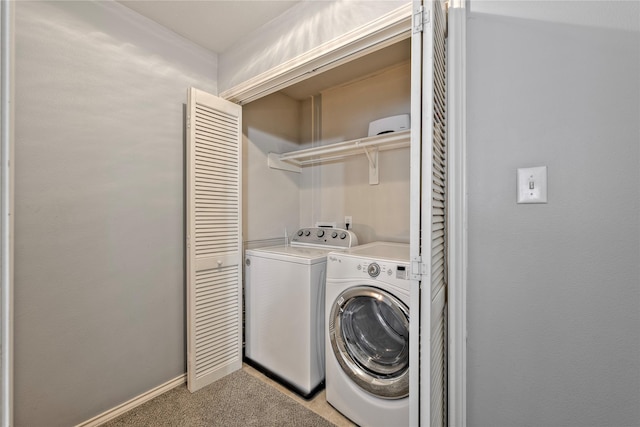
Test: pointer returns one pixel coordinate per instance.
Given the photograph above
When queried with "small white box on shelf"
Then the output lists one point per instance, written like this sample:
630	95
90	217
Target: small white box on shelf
389	124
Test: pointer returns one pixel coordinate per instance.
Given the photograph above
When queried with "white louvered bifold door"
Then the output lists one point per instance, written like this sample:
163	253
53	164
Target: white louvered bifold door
434	190
429	185
214	241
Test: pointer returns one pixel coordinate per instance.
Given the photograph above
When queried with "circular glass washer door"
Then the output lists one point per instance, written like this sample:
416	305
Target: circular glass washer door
369	334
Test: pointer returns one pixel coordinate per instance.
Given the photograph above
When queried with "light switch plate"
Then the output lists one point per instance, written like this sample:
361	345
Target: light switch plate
532	185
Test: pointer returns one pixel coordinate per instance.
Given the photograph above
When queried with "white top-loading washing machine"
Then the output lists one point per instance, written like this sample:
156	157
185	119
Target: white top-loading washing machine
367	341
284	307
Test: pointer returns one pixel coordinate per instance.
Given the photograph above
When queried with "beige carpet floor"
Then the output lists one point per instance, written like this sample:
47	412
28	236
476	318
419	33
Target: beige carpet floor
239	399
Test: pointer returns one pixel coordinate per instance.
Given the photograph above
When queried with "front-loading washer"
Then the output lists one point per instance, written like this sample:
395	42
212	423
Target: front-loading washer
367	340
284	307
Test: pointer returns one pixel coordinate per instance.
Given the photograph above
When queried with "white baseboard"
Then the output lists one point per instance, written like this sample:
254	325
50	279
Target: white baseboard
136	401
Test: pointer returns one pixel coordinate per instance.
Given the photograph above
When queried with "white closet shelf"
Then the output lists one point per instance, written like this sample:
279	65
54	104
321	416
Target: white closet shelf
369	146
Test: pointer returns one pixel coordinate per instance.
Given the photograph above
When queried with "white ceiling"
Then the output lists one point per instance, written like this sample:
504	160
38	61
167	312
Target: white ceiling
213	24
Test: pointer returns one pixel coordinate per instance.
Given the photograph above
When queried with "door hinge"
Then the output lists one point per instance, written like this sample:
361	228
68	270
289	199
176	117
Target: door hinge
418	269
421	17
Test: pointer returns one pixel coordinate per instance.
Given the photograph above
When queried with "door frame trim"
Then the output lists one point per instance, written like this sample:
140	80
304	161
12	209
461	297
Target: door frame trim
7	113
377	34
457	215
415	203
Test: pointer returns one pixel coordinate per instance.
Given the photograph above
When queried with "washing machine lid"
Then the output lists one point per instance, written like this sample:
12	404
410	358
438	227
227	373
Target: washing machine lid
299	255
387	251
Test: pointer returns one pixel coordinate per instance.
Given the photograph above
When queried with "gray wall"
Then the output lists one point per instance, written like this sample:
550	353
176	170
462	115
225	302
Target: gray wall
99	274
553	289
270	197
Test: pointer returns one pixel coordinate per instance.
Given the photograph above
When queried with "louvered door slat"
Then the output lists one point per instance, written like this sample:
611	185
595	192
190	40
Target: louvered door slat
222	337
218	159
206	173
208	318
438	357
214	145
208	142
215	209
214	239
223	199
215	236
215	167
210	321
216	219
214	224
217	225
215	322
207	134
216	121
209	300
433	245
439	227
212	111
214	124
215	155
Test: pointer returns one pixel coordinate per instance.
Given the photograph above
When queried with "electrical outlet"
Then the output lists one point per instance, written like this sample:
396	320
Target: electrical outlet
348	221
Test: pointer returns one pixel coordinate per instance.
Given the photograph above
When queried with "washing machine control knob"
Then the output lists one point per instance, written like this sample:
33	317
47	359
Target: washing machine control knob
373	269
320	233
334	234
300	232
343	235
307	232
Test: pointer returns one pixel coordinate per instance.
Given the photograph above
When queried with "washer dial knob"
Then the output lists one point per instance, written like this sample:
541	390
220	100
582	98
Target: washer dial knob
334	234
373	269
320	233
300	232
307	232
343	236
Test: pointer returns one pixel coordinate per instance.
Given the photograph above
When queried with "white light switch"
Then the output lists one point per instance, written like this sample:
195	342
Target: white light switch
532	185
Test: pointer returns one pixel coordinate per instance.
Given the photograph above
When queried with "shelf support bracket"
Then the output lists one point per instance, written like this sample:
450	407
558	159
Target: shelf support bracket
373	165
274	162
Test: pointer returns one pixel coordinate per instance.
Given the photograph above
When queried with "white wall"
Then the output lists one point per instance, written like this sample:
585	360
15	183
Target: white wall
298	30
380	212
270	196
553	294
99	271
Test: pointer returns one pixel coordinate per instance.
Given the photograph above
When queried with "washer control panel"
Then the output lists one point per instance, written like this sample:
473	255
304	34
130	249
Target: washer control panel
383	262
373	269
384	270
324	237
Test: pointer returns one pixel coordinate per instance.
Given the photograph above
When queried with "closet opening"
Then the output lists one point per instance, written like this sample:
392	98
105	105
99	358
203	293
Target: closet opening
327	109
